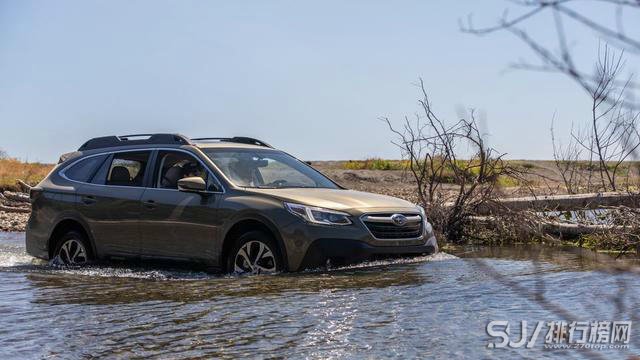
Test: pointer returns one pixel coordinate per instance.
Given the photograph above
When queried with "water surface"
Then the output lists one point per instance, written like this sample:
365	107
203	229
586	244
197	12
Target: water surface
414	308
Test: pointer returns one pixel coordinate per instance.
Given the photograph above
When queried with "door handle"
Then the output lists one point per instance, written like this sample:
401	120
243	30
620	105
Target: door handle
88	200
150	204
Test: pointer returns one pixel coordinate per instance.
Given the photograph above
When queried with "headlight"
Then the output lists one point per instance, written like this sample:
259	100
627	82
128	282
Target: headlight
427	225
422	212
316	215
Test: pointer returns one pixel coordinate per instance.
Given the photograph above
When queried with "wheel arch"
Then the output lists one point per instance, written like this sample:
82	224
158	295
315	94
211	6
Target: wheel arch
251	223
62	227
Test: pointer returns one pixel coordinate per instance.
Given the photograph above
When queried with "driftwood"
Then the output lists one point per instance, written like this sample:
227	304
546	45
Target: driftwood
12	209
26	188
561	202
15	202
17	197
573	230
555	227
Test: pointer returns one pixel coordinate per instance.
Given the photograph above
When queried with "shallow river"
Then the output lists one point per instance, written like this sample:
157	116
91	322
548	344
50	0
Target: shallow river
428	307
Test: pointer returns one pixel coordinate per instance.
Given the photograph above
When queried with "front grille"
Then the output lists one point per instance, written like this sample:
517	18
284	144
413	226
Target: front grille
381	226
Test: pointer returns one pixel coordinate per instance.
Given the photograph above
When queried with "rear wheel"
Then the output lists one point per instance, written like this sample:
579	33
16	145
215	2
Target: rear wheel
73	249
255	253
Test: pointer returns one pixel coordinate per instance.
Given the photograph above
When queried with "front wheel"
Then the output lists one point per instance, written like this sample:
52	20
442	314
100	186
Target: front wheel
72	249
254	253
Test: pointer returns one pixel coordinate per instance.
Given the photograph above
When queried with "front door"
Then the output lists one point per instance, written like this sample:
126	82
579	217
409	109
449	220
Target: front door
177	224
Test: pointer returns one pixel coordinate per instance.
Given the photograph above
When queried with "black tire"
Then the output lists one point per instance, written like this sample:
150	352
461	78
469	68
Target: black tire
251	240
73	249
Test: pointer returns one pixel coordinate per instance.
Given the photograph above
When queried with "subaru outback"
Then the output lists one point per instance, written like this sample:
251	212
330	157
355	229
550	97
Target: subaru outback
232	204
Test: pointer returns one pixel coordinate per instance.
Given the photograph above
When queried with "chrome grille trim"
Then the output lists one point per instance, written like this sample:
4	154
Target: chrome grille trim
380	223
388	220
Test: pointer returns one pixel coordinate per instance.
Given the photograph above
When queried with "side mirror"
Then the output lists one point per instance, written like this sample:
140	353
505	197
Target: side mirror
192	184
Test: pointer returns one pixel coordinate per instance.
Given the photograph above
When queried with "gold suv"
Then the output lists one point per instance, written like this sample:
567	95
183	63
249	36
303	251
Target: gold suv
234	204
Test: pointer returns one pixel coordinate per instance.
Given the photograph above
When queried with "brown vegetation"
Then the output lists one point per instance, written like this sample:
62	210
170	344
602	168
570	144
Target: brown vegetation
432	151
432	148
12	169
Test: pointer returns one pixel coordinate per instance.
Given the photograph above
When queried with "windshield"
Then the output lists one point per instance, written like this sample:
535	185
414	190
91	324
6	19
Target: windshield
256	168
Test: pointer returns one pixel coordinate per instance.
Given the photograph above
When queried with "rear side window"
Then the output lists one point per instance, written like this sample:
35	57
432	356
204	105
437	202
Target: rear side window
84	169
126	169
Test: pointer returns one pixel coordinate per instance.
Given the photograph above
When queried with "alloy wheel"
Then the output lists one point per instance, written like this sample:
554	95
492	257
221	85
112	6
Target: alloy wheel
72	252
255	257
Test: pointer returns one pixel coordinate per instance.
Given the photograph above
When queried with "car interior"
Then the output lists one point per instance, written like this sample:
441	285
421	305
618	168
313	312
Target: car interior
127	169
175	166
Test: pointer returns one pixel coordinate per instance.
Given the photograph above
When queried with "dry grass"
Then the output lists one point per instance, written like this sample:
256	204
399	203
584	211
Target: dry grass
13	169
376	164
447	176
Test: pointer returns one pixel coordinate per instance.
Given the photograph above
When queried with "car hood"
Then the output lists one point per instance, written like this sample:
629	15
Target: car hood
337	199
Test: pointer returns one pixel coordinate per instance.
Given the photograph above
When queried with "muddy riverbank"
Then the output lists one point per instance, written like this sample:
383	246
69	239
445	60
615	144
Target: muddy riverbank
13	221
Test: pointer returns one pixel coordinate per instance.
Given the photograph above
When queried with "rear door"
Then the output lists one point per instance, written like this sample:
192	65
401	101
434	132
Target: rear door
110	202
177	224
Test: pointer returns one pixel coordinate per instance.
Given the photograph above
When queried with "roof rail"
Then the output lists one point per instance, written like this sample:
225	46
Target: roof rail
236	139
122	140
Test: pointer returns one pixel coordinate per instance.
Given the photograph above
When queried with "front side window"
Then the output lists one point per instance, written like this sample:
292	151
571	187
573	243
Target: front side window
127	168
257	168
175	165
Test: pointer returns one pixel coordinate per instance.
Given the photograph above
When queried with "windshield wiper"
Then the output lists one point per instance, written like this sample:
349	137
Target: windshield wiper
284	187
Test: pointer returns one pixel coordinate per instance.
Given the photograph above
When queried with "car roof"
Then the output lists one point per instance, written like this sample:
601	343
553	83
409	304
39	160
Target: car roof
113	141
133	142
228	145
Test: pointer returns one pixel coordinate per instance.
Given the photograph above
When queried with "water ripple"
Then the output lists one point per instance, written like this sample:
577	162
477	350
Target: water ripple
435	306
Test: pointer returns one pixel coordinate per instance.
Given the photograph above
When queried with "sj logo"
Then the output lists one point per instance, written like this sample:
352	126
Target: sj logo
576	334
502	329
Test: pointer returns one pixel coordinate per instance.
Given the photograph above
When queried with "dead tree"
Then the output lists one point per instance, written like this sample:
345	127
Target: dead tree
611	136
566	159
435	151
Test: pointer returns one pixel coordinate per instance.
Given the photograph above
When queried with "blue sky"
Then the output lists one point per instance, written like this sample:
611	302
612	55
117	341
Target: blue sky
310	77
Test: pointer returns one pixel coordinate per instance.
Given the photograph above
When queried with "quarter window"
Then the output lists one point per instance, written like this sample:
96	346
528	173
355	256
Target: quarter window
84	169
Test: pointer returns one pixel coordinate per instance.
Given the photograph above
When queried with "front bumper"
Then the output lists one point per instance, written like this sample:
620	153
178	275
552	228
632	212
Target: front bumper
344	251
309	246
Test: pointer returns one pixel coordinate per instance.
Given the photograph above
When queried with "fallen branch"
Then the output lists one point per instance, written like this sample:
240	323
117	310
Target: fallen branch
18	197
12	209
555	228
574	230
26	188
559	202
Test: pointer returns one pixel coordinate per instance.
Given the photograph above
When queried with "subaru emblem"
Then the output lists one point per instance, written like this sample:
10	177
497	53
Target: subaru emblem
399	219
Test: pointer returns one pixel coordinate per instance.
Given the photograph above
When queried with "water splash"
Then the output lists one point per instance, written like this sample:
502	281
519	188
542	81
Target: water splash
12	251
13	258
440	256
